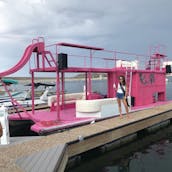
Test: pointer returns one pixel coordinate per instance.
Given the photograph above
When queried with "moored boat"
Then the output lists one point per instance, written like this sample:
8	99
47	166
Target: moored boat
146	84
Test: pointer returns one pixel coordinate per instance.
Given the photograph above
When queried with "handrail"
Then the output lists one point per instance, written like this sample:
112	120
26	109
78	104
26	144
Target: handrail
37	40
41	39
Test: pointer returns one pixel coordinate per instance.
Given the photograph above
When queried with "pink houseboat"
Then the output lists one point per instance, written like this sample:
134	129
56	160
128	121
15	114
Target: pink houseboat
144	74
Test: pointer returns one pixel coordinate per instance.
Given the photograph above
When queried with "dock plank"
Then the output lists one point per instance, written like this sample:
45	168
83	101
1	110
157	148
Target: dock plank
44	161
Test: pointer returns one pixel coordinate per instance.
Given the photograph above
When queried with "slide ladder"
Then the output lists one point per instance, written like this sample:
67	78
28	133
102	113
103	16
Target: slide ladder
50	59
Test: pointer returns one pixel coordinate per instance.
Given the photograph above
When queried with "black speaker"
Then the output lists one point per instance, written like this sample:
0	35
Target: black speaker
62	61
132	101
168	68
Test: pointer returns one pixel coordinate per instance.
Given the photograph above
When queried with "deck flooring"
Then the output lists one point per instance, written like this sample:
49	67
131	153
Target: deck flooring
11	155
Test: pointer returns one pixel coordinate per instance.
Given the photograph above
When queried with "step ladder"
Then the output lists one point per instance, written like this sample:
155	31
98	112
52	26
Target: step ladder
45	60
128	78
50	59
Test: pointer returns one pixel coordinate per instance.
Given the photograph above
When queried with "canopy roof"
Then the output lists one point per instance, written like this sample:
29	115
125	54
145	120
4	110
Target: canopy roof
9	81
79	46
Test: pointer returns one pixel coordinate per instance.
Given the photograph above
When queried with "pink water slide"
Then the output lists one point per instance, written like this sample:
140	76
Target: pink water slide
35	47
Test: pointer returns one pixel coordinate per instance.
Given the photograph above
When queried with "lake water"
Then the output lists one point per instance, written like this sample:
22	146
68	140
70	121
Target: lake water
74	86
150	153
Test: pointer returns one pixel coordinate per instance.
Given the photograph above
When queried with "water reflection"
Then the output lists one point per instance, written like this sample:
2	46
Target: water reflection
153	158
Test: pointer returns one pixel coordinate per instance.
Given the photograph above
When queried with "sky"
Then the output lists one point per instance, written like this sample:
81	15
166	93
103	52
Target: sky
123	25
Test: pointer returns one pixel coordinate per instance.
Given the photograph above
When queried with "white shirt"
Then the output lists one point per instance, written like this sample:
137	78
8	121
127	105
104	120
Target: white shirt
119	90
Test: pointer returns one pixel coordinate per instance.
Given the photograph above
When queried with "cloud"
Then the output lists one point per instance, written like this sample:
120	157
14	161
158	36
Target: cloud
125	25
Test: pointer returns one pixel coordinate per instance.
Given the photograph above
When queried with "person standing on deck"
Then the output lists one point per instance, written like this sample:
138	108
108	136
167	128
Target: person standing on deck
121	94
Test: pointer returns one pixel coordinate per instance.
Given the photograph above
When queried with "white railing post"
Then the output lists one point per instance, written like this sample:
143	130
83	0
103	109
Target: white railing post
5	138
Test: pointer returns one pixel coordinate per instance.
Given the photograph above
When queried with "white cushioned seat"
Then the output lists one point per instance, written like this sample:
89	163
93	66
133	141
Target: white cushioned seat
93	105
68	98
98	108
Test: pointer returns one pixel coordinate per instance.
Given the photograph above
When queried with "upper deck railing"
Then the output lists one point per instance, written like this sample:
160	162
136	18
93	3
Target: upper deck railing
82	56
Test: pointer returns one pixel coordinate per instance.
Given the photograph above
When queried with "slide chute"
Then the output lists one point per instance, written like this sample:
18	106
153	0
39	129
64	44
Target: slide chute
36	47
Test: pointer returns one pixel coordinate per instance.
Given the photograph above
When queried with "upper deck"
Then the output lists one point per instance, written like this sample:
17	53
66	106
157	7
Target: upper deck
83	58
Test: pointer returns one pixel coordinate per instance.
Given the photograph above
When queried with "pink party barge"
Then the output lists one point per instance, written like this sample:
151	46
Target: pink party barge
145	76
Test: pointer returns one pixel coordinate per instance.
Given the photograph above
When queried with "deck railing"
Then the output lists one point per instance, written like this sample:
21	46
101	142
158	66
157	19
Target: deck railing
101	58
93	57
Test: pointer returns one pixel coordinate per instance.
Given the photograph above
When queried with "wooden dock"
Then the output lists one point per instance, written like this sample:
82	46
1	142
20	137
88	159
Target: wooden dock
57	148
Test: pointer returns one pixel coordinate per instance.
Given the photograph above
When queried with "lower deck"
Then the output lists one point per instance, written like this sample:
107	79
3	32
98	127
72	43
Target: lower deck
46	121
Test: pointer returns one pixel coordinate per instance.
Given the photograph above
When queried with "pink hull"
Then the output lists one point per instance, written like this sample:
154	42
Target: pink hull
46	121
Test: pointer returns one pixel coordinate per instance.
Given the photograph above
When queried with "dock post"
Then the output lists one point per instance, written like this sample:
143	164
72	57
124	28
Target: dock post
5	138
58	94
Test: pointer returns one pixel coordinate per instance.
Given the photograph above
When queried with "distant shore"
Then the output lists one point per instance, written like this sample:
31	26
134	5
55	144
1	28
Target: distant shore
50	79
26	80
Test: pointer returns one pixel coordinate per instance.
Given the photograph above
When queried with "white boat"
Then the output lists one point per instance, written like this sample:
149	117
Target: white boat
24	97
